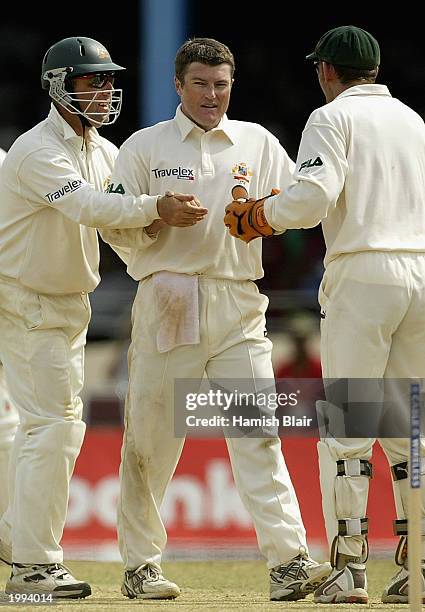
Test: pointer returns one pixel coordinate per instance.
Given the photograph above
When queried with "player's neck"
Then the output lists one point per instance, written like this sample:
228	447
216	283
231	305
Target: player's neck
73	120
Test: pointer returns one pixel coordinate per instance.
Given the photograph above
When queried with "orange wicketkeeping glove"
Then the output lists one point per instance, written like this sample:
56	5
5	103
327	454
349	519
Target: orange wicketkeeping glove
245	216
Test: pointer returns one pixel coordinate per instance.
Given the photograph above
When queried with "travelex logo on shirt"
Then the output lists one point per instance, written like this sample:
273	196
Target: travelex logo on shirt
186	174
309	163
68	188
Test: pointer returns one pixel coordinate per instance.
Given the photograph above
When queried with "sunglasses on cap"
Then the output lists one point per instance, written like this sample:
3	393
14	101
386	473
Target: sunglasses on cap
100	79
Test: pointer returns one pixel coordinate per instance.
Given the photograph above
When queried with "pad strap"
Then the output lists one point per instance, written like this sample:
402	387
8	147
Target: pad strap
354	467
334	551
353	527
401	552
400	527
399	471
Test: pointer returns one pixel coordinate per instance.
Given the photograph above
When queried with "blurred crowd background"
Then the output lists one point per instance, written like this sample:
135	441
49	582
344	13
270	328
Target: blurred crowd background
274	86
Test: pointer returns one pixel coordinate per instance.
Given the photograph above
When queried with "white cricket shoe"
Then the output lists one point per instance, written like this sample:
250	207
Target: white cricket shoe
5	552
297	578
397	590
147	582
346	585
46	579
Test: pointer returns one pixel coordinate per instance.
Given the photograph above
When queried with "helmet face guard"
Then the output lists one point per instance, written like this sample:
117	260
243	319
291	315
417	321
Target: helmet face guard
70	100
79	57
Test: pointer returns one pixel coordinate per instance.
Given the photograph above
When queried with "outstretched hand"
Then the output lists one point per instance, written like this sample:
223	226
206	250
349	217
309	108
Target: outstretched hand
180	210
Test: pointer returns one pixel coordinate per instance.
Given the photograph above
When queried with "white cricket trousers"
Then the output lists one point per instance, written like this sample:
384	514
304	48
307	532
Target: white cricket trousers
374	327
232	345
8	424
42	350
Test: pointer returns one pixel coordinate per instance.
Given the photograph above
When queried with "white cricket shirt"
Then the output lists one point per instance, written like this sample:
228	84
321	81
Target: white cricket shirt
179	156
361	172
50	207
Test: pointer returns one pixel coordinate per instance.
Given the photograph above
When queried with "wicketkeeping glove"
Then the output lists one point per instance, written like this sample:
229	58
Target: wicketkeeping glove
245	216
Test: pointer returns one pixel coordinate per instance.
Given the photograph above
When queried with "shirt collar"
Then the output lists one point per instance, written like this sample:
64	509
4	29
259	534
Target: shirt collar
371	89
65	130
186	126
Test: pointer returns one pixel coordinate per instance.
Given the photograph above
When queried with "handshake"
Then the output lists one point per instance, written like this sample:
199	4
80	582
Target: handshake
245	216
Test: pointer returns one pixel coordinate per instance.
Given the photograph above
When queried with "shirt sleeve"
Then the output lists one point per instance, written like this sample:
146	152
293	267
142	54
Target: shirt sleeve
132	238
130	176
277	168
318	180
50	179
125	241
131	171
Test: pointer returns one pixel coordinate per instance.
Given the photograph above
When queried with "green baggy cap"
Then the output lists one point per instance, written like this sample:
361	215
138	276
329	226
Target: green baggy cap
348	46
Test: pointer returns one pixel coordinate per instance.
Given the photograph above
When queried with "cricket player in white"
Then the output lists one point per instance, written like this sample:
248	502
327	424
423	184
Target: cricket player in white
52	201
197	311
361	173
8	424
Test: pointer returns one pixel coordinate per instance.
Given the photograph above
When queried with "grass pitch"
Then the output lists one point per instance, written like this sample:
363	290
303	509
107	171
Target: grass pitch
206	585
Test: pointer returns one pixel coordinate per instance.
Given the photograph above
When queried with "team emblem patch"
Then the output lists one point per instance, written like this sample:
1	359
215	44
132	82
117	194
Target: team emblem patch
241	172
102	53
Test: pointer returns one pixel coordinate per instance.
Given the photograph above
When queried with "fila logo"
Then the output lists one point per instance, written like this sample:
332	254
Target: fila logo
115	189
310	163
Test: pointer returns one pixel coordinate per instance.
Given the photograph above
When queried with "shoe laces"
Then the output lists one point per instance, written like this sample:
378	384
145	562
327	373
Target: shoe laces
53	569
293	569
58	570
147	572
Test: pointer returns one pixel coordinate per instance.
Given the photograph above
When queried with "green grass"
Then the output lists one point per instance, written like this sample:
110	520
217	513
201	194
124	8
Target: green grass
206	585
